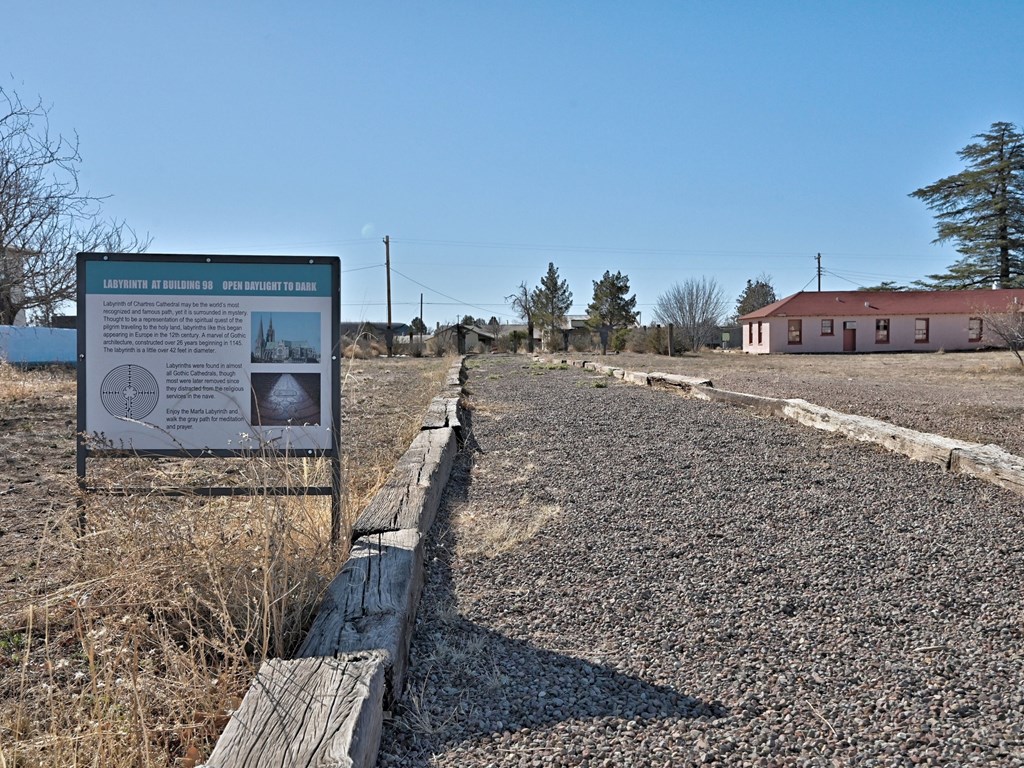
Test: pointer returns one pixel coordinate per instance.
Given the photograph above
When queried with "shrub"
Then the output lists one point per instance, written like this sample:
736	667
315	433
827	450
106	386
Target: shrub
638	340
354	352
582	342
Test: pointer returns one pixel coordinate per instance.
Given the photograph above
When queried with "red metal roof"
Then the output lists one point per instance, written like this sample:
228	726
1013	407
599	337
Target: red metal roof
886	303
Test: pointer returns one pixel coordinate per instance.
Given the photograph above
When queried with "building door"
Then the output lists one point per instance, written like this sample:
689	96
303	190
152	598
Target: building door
849	337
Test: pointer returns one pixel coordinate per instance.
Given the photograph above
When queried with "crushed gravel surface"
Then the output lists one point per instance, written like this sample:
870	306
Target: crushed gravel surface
621	576
974	396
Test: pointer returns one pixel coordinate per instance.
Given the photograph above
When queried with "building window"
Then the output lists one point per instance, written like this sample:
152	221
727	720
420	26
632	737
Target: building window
750	333
921	330
795	329
882	331
826	328
760	339
974	329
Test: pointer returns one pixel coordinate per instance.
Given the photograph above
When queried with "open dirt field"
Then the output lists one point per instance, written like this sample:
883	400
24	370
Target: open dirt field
976	396
76	619
78	616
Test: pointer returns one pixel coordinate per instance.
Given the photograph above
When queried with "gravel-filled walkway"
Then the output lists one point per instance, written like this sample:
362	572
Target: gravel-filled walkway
624	577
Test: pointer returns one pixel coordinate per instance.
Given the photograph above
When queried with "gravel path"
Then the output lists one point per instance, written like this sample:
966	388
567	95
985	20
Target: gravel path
975	396
625	577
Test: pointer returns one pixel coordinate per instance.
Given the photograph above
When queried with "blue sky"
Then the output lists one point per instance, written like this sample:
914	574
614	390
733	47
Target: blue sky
666	140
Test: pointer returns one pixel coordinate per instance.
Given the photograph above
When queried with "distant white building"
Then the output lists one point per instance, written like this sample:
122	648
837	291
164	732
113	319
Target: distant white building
876	321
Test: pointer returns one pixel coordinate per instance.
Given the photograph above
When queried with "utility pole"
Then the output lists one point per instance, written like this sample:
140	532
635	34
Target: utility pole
819	272
388	334
423	323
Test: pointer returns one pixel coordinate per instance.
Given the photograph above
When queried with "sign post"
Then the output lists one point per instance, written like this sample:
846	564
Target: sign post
193	356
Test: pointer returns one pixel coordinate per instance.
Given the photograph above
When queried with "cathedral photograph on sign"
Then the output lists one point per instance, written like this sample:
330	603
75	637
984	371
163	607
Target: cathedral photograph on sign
285	337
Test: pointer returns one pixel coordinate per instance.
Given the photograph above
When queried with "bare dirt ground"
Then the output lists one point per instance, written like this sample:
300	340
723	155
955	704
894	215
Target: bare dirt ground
973	396
383	404
976	396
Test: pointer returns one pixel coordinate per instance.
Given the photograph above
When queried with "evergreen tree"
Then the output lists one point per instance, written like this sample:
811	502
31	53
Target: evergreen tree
981	210
885	285
551	300
758	293
418	326
611	308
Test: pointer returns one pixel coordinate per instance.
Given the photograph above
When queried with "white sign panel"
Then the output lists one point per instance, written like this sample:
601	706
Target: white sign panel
219	353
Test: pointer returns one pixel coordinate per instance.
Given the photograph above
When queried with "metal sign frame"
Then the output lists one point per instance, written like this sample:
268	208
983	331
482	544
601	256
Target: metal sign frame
139	300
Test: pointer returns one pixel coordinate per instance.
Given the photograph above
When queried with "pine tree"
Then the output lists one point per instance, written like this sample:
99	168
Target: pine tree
758	293
611	308
981	209
551	300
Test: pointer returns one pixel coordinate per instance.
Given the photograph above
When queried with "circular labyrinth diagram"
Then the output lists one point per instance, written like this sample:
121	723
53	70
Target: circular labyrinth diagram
129	391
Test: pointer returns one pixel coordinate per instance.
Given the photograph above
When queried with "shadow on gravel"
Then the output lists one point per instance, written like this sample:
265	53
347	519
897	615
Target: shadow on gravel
469	684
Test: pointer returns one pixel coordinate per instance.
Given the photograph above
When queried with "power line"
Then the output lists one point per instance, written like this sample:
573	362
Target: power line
643	251
873	275
439	293
851	282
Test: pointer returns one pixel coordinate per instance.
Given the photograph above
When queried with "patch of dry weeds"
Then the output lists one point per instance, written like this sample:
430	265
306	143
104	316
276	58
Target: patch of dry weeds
492	532
131	644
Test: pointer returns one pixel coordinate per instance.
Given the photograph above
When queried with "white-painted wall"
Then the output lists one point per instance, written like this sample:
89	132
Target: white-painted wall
948	332
38	345
751	336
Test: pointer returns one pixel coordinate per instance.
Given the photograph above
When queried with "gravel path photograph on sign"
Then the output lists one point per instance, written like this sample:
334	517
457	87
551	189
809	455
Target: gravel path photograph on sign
623	576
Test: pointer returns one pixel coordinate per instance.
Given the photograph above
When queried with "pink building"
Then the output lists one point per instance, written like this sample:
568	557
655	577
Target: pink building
883	321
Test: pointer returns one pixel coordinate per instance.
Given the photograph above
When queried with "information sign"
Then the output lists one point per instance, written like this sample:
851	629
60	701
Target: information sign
208	354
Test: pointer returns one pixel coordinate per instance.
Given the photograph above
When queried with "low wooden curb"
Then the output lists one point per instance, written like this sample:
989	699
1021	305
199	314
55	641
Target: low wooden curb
326	705
676	380
412	493
371	605
322	711
919	446
990	462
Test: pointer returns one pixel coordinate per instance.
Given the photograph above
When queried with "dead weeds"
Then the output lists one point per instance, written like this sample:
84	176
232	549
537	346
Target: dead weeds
493	532
131	644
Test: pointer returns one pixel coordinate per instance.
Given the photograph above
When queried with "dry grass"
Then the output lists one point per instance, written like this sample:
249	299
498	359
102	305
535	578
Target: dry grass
492	532
47	384
131	644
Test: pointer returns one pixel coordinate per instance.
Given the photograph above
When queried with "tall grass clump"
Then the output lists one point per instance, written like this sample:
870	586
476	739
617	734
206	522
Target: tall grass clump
128	641
170	605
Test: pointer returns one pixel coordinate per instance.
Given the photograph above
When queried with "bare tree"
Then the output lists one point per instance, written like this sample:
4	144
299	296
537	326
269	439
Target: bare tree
45	218
1007	326
522	304
695	307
